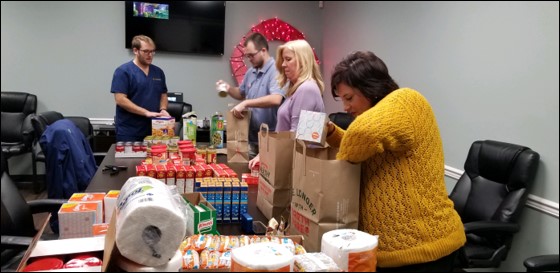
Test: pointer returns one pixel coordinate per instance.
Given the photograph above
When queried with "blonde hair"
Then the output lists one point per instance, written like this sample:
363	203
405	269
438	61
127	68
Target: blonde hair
138	38
306	65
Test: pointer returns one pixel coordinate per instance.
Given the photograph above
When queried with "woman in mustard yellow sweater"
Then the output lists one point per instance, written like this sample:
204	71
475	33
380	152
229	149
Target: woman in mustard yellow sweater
396	138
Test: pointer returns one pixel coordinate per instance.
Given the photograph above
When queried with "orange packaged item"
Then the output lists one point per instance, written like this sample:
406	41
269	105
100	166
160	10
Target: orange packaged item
201	241
233	242
191	259
213	242
224	243
188	243
225	260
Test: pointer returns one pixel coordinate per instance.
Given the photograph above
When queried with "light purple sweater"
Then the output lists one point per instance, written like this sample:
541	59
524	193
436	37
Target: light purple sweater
307	97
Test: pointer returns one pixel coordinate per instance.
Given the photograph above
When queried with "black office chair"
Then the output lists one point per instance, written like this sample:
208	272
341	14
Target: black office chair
17	132
542	263
40	123
490	196
18	227
341	119
176	110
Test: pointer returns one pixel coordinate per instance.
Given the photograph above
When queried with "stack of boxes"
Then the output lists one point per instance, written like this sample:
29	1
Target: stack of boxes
86	214
229	196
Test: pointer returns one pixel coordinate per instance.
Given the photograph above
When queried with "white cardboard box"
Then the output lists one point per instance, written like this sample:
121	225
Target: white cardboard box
312	127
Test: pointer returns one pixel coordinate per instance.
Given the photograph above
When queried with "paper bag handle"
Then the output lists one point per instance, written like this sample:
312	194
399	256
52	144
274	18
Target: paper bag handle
264	130
302	143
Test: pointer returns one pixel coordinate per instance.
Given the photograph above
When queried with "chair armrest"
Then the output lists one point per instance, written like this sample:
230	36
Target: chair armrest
485	226
15	242
45	205
542	263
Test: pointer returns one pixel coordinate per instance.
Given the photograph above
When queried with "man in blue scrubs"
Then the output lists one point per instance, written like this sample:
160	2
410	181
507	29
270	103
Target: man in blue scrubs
140	92
258	91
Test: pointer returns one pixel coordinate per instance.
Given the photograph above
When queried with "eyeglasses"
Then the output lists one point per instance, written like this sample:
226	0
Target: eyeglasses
251	55
147	52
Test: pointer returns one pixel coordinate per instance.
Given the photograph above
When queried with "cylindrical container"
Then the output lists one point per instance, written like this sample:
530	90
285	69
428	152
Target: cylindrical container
83	260
201	150
211	154
352	250
217	130
119	147
159	154
128	147
222	89
137	146
46	263
151	221
255	170
272	257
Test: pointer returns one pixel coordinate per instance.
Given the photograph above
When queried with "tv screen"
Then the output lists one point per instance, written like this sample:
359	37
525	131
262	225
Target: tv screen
182	26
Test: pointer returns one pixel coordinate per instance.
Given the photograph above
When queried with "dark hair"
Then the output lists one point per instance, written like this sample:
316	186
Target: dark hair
364	71
258	40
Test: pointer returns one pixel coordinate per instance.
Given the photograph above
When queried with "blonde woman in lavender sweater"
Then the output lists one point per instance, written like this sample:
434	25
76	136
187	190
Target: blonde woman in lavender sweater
299	73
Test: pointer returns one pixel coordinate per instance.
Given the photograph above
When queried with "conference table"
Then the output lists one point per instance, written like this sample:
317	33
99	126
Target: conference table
104	182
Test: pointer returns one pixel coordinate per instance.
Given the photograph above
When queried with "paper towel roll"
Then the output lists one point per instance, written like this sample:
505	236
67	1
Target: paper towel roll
150	222
262	257
174	265
352	250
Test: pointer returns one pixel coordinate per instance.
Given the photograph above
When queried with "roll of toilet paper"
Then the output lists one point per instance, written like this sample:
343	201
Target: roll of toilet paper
352	250
174	265
150	221
262	257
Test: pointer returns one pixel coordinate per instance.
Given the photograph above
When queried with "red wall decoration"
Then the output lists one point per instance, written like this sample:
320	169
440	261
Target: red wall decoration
272	29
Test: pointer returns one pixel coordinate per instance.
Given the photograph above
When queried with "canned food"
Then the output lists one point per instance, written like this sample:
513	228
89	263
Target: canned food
255	170
128	147
211	154
119	147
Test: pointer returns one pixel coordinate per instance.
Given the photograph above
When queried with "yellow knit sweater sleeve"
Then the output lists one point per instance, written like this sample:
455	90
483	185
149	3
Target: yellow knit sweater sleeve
386	127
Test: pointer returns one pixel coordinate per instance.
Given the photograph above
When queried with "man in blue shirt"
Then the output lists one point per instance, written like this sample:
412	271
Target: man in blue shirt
259	89
140	92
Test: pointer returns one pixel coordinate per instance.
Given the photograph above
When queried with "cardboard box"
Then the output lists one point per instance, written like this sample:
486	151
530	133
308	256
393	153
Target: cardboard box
109	204
63	247
75	220
200	222
163	126
189	127
90	197
312	127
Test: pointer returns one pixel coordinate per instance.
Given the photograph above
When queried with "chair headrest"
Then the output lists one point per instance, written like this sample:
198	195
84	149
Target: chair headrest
500	162
19	102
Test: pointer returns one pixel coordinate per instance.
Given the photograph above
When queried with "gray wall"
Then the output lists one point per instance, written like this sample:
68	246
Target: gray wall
66	52
489	70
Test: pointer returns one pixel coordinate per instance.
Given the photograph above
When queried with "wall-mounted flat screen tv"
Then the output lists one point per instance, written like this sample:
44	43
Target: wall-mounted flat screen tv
178	26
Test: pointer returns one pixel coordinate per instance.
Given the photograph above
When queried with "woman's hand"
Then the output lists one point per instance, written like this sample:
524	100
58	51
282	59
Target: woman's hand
254	161
330	128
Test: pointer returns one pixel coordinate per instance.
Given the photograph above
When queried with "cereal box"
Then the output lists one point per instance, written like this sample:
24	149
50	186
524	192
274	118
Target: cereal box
163	126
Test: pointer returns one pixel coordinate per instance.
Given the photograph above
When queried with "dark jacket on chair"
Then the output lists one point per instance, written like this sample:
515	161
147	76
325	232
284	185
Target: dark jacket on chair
70	164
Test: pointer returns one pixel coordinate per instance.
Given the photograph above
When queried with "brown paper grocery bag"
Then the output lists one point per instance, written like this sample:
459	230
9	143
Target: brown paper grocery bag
238	138
276	154
325	195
